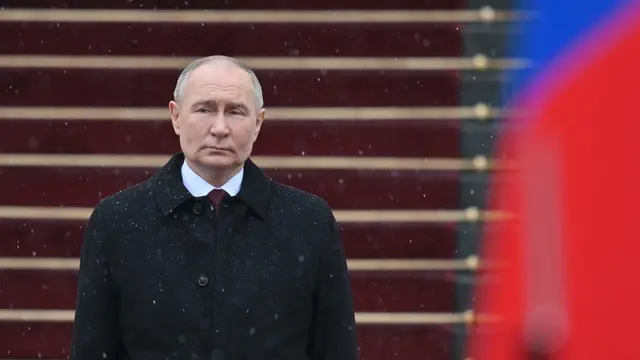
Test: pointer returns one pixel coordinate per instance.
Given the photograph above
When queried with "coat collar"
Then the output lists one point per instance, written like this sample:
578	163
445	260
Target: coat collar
170	192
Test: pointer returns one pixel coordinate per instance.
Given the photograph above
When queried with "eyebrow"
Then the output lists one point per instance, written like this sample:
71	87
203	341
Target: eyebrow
215	104
204	103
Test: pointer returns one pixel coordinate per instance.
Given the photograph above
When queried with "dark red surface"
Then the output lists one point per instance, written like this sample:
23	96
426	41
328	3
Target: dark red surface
266	39
414	138
389	240
390	291
44	238
143	87
239	4
54	238
342	189
29	340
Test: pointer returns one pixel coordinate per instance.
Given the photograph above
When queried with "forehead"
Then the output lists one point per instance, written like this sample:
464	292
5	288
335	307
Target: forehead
220	82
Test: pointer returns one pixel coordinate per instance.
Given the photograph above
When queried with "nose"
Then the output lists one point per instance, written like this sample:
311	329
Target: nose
219	126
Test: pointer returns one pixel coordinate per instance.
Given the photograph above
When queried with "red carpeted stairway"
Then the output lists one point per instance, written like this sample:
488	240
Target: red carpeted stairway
388	115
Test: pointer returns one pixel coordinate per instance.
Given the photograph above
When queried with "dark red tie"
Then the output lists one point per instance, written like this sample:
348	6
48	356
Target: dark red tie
215	196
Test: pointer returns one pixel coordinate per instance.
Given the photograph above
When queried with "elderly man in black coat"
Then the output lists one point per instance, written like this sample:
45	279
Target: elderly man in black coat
210	258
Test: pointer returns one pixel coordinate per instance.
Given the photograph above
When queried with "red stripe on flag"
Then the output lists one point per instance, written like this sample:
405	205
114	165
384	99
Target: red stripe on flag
594	116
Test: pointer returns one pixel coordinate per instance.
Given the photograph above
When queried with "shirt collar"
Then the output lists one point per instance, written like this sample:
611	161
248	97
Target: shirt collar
170	191
198	186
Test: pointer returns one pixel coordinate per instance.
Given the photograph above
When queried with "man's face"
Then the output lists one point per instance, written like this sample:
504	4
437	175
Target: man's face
216	116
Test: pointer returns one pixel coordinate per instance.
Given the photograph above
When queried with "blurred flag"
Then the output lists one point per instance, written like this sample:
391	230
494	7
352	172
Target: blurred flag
567	287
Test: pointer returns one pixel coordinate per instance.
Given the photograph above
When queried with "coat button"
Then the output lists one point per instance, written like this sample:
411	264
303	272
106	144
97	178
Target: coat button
197	209
217	354
203	280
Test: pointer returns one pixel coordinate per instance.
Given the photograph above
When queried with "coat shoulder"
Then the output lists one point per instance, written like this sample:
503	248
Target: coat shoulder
300	201
131	201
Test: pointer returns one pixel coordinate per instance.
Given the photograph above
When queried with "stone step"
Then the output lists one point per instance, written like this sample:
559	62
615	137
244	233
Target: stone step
62	239
373	291
154	87
416	138
342	189
266	39
238	5
42	340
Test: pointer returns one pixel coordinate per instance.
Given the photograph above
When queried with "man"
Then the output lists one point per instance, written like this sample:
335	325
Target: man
209	258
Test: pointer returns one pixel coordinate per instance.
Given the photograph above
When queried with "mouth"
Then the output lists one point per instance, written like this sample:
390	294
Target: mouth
216	148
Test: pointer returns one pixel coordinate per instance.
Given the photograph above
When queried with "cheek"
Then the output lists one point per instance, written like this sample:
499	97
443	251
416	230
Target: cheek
191	131
243	136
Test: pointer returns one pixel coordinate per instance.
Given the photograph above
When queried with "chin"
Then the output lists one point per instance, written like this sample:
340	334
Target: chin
218	160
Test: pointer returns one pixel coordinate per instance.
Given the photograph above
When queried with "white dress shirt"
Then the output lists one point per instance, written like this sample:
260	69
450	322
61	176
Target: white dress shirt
198	186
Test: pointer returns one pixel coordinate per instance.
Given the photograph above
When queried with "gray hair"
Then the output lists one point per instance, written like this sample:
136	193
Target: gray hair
182	79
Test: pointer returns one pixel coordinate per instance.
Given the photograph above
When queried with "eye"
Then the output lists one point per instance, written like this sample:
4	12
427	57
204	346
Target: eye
237	112
202	110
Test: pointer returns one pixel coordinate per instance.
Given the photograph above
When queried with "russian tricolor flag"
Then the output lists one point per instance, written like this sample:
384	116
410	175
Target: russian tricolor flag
568	283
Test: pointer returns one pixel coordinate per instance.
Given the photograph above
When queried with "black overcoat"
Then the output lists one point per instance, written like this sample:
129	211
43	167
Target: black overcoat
162	276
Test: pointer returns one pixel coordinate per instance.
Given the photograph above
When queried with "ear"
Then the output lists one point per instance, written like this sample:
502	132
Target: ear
259	121
174	110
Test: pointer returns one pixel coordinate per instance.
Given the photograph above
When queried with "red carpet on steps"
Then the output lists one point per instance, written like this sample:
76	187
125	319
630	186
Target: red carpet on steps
387	292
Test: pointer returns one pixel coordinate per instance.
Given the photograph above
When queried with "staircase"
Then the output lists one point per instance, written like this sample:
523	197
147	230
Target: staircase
359	100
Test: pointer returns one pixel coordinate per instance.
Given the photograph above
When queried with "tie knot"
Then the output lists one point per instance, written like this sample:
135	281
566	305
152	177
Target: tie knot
215	196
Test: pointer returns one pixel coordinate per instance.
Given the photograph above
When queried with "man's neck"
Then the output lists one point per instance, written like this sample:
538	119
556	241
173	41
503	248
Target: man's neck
217	177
